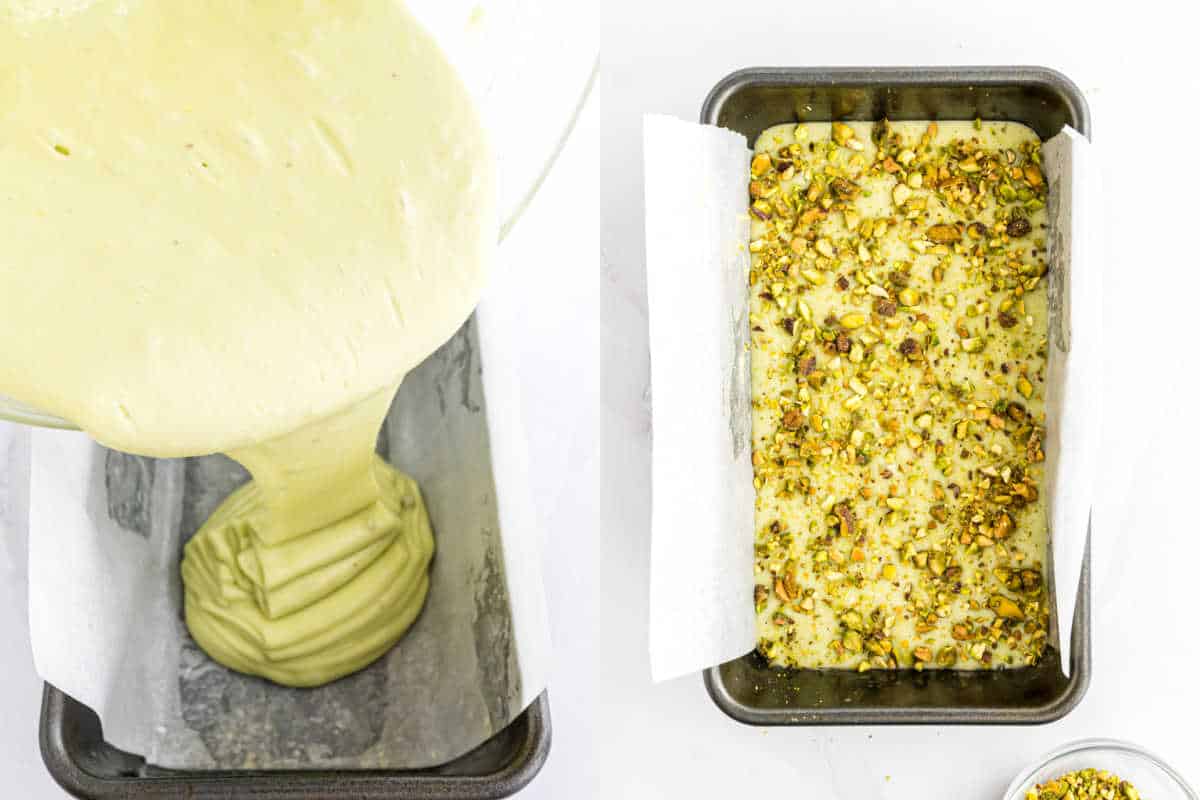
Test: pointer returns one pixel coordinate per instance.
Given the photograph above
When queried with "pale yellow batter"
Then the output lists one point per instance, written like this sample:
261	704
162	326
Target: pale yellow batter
230	226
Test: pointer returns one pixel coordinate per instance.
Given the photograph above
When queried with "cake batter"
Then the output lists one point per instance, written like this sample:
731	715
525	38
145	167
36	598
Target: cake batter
234	227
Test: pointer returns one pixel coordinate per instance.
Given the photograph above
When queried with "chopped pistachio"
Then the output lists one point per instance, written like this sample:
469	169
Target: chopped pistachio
759	164
1085	784
897	314
842	133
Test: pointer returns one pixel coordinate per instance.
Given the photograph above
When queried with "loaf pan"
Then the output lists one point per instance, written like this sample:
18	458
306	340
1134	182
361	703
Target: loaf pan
748	688
77	756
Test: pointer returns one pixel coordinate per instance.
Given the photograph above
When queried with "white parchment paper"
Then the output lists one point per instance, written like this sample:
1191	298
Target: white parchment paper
702	502
697	259
1073	404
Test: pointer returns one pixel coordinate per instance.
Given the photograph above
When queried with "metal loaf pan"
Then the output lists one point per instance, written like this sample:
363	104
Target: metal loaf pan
77	756
749	689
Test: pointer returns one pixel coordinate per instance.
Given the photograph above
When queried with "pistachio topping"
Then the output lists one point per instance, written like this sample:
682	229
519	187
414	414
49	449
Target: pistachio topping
898	327
1085	784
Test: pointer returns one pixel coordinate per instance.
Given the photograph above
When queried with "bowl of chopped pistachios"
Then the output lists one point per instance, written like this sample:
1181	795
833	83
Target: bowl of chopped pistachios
1100	769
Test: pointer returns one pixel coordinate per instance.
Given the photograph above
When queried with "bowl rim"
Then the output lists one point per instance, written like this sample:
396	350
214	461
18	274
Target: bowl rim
1096	744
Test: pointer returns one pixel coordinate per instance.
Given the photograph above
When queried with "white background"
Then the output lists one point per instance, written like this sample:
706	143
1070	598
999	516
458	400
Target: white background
586	367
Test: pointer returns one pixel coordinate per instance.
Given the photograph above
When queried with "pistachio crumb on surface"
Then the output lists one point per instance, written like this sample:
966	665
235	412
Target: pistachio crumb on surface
898	365
1085	784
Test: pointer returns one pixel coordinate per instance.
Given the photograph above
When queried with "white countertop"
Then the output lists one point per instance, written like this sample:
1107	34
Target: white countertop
616	734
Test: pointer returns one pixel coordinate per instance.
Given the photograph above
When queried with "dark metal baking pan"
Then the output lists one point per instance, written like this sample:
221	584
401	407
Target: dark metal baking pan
748	688
77	756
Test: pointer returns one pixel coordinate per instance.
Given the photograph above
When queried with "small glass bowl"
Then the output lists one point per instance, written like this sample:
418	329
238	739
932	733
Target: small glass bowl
1149	774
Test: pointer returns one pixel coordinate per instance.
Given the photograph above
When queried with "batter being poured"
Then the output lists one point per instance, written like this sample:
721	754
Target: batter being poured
234	227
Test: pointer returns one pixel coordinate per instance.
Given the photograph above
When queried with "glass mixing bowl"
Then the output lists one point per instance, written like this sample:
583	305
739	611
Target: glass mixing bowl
530	65
1149	774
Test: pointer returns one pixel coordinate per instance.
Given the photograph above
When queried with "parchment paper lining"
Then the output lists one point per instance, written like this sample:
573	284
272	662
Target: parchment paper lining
697	260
